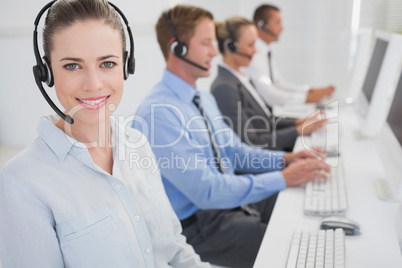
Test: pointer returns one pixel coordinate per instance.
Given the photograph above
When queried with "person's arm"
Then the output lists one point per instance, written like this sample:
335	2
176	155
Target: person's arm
306	126
229	101
253	129
317	94
300	167
28	237
190	170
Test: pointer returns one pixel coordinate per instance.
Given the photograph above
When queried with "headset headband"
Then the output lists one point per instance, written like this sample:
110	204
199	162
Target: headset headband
42	70
131	60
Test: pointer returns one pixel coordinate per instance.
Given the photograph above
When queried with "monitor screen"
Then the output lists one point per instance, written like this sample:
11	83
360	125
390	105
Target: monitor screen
374	67
395	113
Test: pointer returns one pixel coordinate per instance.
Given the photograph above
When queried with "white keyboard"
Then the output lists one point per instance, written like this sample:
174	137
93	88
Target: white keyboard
324	197
316	249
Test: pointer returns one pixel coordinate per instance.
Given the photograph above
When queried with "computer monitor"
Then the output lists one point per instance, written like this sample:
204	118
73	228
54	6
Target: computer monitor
389	147
361	57
379	87
395	112
373	70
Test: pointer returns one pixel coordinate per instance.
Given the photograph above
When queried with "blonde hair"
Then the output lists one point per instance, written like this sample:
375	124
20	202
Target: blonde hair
229	29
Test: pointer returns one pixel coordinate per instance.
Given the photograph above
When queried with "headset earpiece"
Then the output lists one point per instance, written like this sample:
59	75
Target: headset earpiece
125	66
178	48
39	73
43	72
262	24
231	45
48	71
130	65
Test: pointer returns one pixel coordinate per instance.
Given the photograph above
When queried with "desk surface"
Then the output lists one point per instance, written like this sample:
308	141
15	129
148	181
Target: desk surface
377	246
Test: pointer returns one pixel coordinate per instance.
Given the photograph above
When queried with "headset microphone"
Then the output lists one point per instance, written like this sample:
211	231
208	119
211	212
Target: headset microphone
244	55
193	63
178	48
43	72
65	117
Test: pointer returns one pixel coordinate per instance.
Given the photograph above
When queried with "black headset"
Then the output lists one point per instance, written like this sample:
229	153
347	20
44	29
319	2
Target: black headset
43	72
231	44
262	24
178	48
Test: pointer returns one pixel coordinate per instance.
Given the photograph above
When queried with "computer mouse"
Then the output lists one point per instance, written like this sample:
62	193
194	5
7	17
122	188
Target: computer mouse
349	226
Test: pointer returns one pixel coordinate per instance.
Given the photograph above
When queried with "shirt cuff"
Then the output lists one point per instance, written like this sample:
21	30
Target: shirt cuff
275	183
280	162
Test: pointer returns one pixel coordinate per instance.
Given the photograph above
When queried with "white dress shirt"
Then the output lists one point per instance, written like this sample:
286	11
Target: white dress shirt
279	91
59	209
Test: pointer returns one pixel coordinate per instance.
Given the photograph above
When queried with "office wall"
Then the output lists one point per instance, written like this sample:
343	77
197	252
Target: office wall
313	48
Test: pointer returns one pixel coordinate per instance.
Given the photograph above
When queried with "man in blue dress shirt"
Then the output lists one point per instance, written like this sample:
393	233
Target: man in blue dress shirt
224	215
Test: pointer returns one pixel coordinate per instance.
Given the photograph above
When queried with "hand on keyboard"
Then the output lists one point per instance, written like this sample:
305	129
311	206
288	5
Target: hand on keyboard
315	152
305	170
326	197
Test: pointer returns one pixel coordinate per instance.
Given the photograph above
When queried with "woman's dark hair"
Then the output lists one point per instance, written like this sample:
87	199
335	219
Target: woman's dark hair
65	13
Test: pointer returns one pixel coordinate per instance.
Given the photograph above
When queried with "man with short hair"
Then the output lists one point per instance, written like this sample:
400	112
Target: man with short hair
223	215
265	77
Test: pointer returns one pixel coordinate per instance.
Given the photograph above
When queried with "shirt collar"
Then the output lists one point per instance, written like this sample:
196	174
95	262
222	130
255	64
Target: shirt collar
262	46
58	141
242	77
178	86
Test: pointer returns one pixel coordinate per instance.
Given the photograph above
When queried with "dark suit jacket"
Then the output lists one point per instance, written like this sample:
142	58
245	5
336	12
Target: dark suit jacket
245	116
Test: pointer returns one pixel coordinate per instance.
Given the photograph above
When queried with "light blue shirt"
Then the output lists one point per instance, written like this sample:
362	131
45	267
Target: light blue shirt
181	144
59	209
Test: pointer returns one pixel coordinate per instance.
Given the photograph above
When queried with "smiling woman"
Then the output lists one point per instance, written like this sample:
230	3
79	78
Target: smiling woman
88	77
71	198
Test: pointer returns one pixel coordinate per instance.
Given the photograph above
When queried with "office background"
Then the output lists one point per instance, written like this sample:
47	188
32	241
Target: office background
316	47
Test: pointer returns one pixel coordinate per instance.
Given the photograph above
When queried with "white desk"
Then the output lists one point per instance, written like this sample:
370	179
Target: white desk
377	246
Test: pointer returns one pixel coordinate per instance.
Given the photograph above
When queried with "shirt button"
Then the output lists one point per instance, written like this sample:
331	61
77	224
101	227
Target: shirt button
147	250
137	218
119	185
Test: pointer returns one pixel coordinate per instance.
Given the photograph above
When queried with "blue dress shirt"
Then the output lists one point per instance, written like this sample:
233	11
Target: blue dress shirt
181	144
59	209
